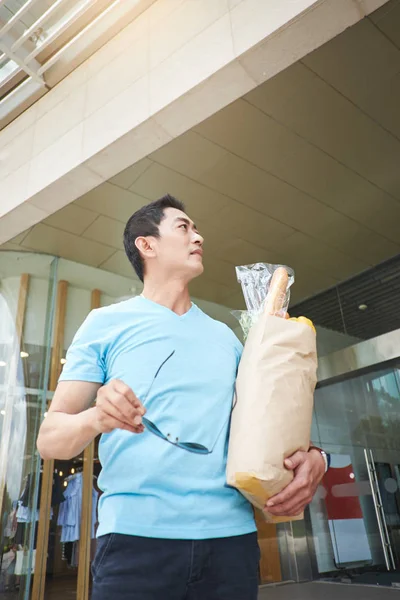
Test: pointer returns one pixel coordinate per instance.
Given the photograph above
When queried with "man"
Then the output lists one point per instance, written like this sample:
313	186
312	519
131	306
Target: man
162	376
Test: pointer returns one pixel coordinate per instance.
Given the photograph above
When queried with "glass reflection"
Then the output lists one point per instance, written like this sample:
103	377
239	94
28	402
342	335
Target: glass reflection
355	517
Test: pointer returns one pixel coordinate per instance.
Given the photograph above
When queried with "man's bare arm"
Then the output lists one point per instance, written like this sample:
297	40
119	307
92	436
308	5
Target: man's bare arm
73	422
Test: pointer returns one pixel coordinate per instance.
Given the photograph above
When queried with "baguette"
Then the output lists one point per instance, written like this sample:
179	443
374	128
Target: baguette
277	292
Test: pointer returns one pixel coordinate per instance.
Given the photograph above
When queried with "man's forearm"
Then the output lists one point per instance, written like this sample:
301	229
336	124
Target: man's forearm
63	436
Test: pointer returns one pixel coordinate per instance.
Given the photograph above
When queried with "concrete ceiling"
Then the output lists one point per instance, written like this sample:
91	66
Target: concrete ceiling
304	170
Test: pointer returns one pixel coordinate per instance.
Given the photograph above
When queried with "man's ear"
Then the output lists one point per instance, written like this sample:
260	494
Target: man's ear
145	245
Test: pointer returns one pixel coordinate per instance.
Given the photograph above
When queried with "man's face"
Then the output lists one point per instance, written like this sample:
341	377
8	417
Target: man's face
179	249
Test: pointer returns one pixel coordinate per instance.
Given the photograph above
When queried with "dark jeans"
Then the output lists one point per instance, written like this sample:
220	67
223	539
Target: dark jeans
136	568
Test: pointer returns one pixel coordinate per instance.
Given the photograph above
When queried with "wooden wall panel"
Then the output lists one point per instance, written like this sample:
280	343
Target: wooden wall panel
39	578
21	307
270	563
86	523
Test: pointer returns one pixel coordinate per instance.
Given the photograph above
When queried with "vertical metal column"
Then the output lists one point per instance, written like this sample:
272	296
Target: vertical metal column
380	513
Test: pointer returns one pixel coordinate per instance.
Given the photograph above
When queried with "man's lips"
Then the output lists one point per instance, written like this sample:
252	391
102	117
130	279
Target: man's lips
199	252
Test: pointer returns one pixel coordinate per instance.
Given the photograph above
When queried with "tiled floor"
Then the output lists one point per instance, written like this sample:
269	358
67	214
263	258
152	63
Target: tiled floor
57	589
66	590
327	591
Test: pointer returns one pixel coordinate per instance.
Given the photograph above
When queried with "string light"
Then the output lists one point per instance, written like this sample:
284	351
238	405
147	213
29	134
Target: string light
24	354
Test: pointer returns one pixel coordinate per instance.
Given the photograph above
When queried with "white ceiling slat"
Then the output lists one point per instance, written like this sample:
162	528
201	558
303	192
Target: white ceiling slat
17	16
61	27
10	70
22	64
57	55
38	23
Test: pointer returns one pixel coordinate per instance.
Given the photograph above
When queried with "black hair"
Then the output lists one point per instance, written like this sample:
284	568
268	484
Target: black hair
145	222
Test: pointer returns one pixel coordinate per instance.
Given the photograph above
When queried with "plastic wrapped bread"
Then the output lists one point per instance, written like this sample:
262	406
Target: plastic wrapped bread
272	415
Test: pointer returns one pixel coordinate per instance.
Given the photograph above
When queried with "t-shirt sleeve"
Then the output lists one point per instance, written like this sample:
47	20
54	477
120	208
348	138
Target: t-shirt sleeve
238	348
85	356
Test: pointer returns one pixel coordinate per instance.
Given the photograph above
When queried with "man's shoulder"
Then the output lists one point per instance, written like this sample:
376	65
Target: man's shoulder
221	328
119	307
111	314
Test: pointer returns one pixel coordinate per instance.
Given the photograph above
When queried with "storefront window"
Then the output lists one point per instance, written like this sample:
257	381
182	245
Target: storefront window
25	325
355	517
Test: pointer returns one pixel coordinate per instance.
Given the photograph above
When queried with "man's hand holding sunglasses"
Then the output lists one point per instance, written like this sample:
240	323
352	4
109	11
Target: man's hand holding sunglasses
118	407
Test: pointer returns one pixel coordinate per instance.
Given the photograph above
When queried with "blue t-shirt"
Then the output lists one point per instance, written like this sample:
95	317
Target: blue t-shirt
183	368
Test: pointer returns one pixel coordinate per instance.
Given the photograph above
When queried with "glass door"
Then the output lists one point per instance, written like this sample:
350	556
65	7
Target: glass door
26	299
354	520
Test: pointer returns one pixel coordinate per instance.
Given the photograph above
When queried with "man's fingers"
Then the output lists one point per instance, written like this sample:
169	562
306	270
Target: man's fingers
288	509
291	508
129	394
294	461
138	429
111	416
295	497
297	502
119	408
115	424
129	413
111	424
293	511
290	492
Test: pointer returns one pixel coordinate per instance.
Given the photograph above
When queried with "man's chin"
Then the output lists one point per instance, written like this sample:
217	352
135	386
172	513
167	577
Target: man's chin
196	271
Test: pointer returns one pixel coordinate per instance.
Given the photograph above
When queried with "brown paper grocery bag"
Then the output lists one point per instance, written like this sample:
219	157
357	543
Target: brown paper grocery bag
272	415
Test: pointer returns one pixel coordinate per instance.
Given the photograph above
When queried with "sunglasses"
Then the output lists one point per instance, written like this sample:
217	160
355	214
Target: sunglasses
152	427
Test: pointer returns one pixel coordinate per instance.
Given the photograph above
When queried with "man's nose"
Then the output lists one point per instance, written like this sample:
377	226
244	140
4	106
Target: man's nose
198	239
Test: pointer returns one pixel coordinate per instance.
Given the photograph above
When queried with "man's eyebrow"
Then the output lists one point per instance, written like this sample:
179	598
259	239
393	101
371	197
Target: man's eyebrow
185	220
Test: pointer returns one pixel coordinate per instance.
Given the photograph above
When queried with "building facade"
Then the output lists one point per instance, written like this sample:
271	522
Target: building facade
277	124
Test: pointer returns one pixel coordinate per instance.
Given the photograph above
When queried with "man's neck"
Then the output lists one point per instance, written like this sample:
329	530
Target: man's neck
173	295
